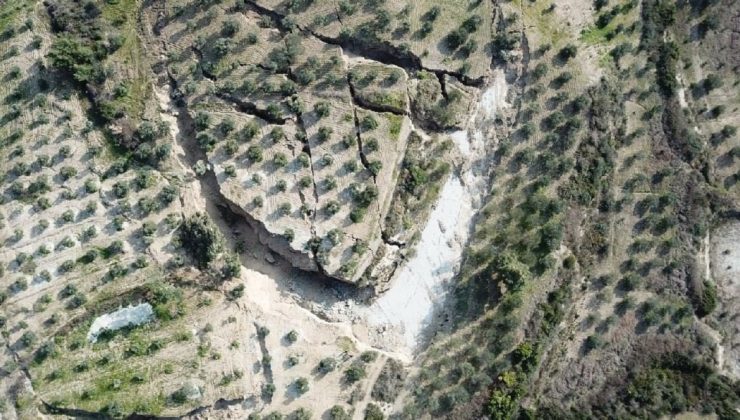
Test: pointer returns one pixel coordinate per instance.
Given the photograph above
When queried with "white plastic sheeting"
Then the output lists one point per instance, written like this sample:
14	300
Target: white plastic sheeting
129	316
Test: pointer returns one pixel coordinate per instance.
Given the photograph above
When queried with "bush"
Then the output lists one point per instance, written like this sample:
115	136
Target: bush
304	160
568	52
337	412
301	385
324	134
539	71
284	209
254	153
305	182
369	123
593	342
292	336
369	356
67	172
508	269
201	239
280	160
300	414
322	109
281	185
374	167
332	207
373	412
707	301
456	38
268	390
71	56
354	373
230	28
326	365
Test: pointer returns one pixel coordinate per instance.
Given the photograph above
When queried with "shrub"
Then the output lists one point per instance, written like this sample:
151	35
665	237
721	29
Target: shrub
28	339
369	123
322	109
568	52
305	182
332	207
236	292
281	185
327	159
354	373
369	356
539	71
230	171
91	186
77	300
707	301
330	183
374	167
254	153
349	140
230	28
301	385
456	38
326	365
300	414
67	172
221	47
284	209
337	412
373	412
304	160
249	131
324	134
593	342
201	239
280	160
357	214
71	56
508	269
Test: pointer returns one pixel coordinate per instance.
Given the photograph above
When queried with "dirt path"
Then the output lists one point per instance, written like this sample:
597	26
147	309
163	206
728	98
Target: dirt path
372	377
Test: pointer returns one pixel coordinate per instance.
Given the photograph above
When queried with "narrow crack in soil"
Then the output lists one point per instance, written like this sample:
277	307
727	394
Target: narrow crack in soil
199	54
363	158
251	109
359	101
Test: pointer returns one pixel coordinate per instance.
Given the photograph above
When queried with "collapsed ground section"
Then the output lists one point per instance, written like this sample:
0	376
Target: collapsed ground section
306	140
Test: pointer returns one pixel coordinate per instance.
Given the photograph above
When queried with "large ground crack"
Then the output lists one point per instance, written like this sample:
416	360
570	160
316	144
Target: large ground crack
359	101
381	51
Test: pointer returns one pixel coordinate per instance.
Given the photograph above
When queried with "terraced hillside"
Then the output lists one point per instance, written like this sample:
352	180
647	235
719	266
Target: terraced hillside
305	130
339	209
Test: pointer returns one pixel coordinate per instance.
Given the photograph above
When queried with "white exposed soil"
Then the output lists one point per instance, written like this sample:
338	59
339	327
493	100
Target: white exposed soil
125	317
681	93
725	272
421	285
